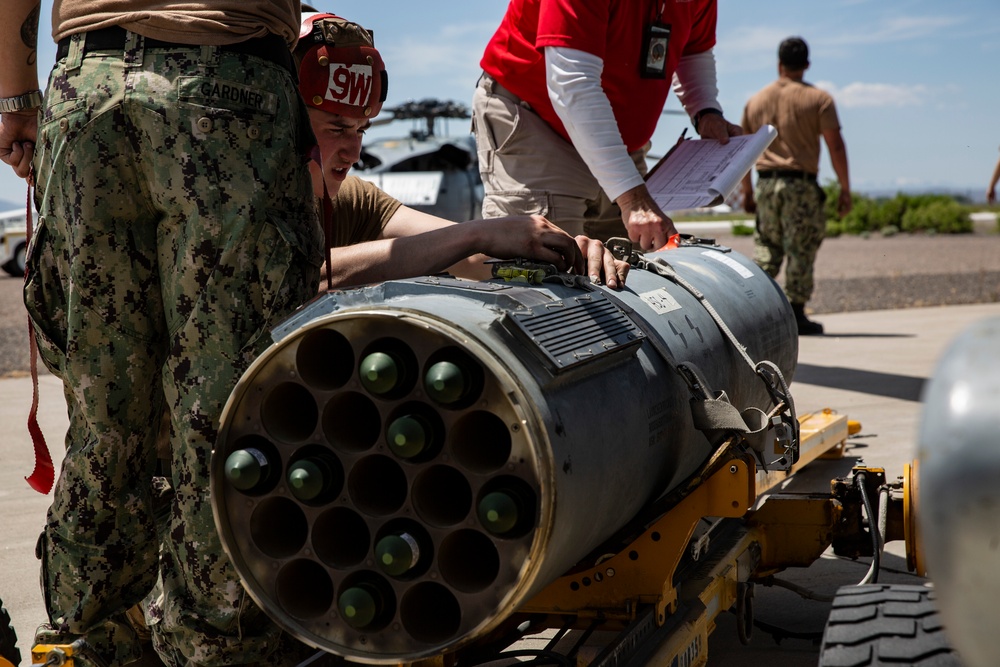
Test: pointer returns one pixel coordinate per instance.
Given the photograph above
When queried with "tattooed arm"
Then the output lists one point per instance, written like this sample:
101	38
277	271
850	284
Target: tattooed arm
19	75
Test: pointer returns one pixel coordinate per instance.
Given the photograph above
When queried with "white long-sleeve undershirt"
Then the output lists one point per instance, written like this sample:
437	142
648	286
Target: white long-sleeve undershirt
695	83
574	84
574	87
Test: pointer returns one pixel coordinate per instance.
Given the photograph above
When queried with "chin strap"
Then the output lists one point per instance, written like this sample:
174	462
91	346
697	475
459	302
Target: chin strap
327	214
42	477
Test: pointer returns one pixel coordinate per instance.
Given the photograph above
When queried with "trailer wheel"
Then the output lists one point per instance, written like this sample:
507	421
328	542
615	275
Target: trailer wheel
15	265
883	624
8	639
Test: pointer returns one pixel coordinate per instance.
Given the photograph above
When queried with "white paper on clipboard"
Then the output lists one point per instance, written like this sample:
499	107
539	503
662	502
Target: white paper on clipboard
697	173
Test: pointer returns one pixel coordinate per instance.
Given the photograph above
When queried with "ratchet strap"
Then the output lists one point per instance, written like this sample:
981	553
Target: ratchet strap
711	411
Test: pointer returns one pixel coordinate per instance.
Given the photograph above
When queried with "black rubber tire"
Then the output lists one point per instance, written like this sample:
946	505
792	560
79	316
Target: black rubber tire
885	624
15	265
8	638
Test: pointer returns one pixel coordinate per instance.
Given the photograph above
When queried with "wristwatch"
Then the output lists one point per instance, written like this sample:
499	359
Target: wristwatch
701	114
26	102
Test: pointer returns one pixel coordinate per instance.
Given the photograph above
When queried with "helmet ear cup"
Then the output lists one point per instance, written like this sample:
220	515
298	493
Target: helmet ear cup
340	70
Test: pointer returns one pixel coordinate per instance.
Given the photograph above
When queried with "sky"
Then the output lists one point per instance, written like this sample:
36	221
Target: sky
915	81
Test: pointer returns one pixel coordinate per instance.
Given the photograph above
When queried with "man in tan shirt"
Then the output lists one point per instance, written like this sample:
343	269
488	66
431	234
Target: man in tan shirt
791	222
373	237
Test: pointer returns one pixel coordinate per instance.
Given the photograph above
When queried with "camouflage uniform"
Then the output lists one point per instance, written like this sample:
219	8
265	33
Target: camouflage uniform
790	223
175	227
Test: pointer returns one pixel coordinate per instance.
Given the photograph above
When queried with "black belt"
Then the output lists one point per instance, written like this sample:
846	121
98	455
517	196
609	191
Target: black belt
786	173
494	87
271	48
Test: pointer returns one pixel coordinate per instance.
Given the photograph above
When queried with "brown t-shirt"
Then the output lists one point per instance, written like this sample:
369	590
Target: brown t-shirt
203	22
360	211
800	112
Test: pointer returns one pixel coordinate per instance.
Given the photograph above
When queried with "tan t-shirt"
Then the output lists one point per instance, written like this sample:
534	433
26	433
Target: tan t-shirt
203	22
360	211
800	112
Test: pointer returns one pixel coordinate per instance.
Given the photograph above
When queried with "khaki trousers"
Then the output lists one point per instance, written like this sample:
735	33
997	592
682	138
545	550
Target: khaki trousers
528	168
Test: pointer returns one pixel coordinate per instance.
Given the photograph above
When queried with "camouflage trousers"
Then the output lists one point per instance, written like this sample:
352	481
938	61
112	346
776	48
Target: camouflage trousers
790	225
175	227
528	168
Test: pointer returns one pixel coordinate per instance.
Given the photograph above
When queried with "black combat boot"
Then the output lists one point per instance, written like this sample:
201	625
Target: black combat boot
806	326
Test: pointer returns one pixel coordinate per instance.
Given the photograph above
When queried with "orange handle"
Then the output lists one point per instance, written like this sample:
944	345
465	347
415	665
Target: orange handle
672	242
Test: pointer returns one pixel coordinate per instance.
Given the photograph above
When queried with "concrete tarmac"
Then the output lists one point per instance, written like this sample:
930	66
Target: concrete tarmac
869	365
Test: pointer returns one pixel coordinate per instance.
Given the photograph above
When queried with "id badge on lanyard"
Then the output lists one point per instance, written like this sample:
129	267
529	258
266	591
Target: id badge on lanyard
655	42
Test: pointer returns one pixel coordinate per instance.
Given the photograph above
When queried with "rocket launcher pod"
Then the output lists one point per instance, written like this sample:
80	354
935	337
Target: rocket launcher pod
556	413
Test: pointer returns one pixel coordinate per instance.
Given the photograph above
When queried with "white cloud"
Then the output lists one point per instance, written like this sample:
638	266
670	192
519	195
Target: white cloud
457	46
444	64
902	28
749	48
860	95
480	32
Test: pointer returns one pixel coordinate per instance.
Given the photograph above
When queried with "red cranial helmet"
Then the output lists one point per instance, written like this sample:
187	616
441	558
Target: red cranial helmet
340	70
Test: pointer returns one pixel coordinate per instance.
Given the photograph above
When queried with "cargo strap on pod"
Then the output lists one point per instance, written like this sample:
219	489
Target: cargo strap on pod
712	412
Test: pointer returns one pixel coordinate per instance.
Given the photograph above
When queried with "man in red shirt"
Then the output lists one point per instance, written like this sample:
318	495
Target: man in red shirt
569	98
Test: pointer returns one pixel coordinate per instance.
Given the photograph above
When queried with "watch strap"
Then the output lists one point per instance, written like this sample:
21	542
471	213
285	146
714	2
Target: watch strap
701	114
25	102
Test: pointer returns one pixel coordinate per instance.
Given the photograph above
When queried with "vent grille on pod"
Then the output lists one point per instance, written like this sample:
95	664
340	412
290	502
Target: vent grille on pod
567	332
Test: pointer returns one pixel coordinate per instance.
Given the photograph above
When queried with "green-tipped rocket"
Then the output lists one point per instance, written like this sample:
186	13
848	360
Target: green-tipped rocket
380	373
307	478
408	436
498	512
247	468
396	554
358	606
445	382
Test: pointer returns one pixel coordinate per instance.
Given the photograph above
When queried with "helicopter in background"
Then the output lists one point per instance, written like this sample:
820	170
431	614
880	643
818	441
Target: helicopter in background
438	175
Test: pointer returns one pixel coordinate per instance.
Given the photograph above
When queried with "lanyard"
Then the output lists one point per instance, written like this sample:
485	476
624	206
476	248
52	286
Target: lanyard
655	42
659	13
